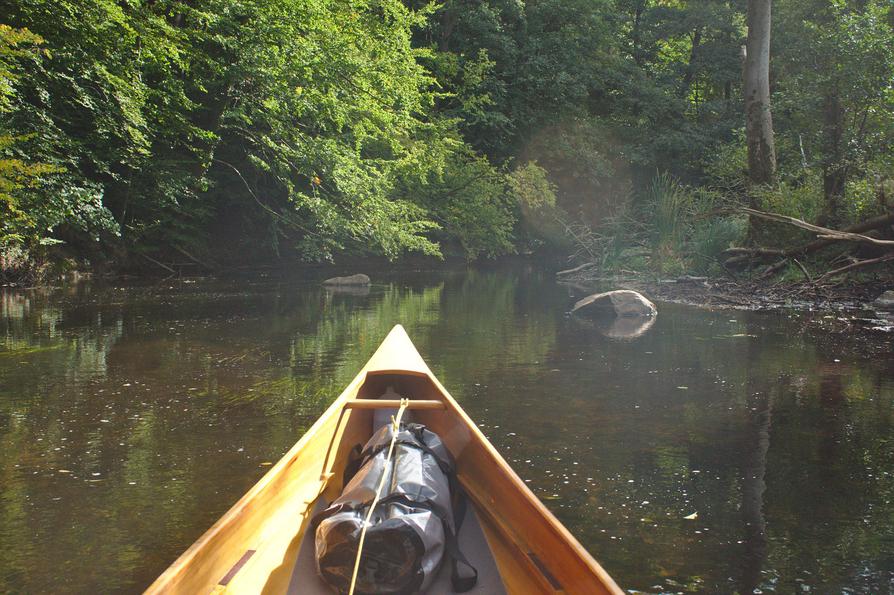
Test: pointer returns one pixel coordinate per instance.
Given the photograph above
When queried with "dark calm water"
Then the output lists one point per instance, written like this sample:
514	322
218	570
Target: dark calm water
717	452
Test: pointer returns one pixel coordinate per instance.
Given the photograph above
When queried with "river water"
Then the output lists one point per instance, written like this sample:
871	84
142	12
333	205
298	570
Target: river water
715	452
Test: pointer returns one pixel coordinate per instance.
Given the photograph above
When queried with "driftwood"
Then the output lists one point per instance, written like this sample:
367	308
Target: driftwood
803	269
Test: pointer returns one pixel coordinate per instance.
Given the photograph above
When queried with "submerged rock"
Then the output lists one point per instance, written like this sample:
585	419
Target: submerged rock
885	301
620	302
358	279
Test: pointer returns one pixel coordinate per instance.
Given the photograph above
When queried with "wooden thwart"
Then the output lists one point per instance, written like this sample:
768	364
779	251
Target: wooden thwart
393	404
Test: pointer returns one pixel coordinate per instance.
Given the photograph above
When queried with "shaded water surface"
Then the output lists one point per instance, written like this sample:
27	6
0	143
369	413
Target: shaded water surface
717	452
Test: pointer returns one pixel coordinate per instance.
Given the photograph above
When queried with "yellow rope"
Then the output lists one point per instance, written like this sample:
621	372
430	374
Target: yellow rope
396	421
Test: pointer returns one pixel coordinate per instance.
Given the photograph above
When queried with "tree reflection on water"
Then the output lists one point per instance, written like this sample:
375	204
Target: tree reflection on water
132	417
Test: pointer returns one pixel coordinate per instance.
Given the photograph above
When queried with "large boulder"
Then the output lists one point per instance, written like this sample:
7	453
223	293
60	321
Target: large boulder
620	302
885	301
354	280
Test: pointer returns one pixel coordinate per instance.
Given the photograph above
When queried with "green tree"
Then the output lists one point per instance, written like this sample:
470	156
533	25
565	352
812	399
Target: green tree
835	70
296	122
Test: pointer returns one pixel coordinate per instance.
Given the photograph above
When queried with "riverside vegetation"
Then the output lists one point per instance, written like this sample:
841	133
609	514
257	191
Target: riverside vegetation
628	133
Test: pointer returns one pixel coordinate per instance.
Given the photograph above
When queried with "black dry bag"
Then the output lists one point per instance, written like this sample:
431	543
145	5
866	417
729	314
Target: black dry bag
413	527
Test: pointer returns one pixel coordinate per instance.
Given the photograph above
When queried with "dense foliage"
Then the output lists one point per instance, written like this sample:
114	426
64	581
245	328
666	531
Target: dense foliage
218	131
297	125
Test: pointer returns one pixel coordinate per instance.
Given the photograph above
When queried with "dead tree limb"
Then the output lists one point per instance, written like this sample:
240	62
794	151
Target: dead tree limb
749	252
803	269
583	245
856	265
161	264
823	233
201	263
586	265
774	268
869	225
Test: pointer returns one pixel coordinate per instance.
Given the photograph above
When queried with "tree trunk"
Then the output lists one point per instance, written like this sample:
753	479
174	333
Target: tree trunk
691	66
834	171
449	18
758	120
635	34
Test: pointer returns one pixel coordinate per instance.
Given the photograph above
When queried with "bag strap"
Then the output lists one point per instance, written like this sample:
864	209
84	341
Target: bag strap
355	462
330	511
418	444
447	466
464	578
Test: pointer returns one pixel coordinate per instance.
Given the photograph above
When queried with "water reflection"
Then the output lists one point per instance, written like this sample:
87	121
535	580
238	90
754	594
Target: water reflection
133	417
621	328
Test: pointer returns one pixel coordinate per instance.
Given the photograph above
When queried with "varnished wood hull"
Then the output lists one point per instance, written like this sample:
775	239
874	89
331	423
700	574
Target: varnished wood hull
253	547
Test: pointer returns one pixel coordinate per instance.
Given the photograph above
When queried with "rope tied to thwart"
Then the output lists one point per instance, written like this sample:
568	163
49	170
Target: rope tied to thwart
396	428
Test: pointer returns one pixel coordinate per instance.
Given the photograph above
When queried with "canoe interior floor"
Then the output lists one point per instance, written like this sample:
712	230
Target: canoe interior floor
472	544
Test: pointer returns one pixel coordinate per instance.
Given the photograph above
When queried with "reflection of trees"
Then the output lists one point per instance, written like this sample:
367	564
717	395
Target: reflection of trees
175	398
344	336
615	410
26	321
468	324
490	321
36	335
225	376
756	443
830	495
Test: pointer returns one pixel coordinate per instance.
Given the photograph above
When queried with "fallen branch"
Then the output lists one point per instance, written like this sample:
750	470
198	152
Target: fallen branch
823	233
576	269
868	225
206	265
737	250
161	264
774	268
582	245
803	269
856	265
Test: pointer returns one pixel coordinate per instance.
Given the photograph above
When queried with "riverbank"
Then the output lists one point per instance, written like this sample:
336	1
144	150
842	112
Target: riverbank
59	269
858	298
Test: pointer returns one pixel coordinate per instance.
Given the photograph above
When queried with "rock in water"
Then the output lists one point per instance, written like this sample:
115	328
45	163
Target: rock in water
885	301
358	279
620	302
